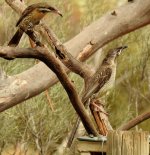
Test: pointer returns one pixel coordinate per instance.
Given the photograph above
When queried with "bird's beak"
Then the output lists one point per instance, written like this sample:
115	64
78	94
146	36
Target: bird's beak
58	12
124	47
120	49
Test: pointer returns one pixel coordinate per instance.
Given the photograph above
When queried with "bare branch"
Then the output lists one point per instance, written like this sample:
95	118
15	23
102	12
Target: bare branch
16	5
66	58
135	121
53	63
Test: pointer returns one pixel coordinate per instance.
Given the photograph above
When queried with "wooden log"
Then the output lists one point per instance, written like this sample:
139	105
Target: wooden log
128	143
92	145
85	146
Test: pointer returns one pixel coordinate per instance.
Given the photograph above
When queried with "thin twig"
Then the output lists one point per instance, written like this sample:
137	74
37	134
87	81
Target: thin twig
49	100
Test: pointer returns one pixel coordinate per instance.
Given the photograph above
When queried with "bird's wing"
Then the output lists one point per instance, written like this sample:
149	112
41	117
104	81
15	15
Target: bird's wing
98	81
29	9
26	12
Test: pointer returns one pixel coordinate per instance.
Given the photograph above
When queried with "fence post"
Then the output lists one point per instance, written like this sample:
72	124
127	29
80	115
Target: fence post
128	143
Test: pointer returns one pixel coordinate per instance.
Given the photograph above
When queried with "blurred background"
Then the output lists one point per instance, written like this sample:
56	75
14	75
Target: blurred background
40	124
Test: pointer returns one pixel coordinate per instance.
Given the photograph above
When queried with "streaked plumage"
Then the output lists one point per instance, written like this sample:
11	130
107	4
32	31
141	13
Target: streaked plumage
102	81
104	78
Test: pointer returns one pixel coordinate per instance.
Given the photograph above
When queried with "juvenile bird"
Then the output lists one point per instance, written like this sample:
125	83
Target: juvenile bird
30	17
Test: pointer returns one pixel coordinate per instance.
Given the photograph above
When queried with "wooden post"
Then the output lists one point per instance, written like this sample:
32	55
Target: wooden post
128	143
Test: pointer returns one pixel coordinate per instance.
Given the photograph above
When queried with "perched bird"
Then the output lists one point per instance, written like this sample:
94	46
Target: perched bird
30	17
104	79
101	82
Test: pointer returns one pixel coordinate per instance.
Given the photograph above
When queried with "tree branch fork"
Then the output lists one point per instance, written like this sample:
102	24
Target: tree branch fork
54	64
69	61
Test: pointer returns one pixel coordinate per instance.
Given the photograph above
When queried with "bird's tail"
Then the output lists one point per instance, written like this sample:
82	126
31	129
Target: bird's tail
16	38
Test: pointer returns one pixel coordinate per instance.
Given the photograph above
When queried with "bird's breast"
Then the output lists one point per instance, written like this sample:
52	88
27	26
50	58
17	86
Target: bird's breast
30	20
110	83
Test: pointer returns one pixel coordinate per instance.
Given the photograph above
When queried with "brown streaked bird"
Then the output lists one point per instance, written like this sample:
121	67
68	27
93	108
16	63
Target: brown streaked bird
30	17
101	82
104	79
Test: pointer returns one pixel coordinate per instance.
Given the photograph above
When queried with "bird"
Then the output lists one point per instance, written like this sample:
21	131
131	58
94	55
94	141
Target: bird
101	82
104	78
30	17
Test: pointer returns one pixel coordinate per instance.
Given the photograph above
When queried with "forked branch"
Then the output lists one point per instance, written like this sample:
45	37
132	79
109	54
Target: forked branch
65	57
51	61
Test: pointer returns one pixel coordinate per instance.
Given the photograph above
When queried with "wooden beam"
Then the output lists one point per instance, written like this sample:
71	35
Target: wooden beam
86	146
91	144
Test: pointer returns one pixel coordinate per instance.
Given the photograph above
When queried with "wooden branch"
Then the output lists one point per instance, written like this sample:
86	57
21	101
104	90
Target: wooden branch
135	121
33	45
16	5
100	124
100	116
129	17
52	62
66	58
